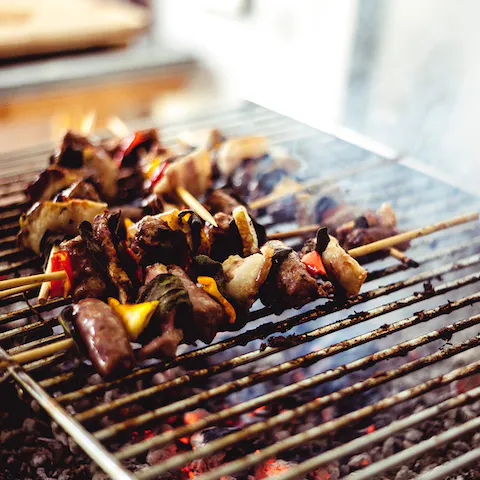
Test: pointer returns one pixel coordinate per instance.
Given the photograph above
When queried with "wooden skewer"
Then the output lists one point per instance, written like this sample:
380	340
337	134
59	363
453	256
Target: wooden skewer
386	243
39	278
400	256
45	289
196	206
118	127
15	290
406	236
39	352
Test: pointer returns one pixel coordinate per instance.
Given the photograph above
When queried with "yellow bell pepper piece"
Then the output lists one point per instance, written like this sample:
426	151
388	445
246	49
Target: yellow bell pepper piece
128	227
150	170
134	316
210	286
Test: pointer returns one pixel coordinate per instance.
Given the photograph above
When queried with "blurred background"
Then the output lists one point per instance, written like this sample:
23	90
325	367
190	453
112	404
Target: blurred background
405	73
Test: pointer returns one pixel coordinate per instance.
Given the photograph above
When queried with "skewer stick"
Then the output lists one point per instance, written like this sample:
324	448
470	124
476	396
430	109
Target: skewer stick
39	278
196	206
406	236
15	290
400	256
45	289
386	243
39	352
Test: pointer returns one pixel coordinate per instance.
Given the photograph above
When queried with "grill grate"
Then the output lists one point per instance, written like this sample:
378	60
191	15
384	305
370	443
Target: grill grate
331	342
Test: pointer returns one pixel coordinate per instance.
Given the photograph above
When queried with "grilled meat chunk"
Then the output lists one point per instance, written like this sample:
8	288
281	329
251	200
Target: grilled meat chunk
80	189
220	201
88	279
62	217
208	315
223	240
155	241
288	285
104	336
51	181
104	233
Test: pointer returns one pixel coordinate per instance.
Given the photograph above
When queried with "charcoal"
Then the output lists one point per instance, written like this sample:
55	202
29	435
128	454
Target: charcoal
404	474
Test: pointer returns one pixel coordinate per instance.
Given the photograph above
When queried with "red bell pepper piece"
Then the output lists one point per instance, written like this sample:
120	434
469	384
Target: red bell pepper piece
61	261
314	264
138	268
128	144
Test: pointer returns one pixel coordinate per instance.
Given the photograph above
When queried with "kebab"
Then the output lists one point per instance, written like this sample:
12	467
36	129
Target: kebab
137	317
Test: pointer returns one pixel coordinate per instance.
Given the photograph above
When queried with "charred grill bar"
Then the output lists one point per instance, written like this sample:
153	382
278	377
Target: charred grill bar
440	301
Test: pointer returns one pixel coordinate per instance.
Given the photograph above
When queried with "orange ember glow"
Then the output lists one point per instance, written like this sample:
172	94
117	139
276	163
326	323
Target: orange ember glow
191	417
275	467
370	428
258	410
322	475
184	440
364	462
191	474
142	435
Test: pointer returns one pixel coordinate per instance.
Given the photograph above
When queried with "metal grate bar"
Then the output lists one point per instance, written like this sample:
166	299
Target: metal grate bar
325	428
321	378
258	377
91	446
442	471
415	451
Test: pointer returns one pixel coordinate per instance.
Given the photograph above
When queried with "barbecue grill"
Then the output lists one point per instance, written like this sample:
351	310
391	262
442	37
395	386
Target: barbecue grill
410	333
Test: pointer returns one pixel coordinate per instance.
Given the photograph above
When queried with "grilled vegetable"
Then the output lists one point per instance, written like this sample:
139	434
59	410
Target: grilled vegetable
60	261
246	230
55	217
343	269
314	264
210	286
135	317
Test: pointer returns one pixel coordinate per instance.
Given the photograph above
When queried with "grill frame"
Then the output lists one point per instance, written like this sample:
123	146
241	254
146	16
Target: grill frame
283	131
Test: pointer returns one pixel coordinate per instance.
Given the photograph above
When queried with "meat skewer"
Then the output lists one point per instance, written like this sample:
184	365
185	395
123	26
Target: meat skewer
356	252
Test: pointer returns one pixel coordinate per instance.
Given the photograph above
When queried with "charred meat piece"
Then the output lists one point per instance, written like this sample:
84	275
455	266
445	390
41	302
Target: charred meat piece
78	154
220	201
104	336
88	278
58	217
225	239
71	152
105	234
208	315
80	189
156	242
362	236
164	331
51	181
288	285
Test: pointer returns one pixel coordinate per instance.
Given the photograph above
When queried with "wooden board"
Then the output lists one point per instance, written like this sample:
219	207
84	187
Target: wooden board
32	27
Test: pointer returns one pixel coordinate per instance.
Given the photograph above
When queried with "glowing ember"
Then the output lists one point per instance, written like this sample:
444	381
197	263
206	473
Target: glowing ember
370	428
258	410
272	468
322	474
142	435
194	416
184	440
